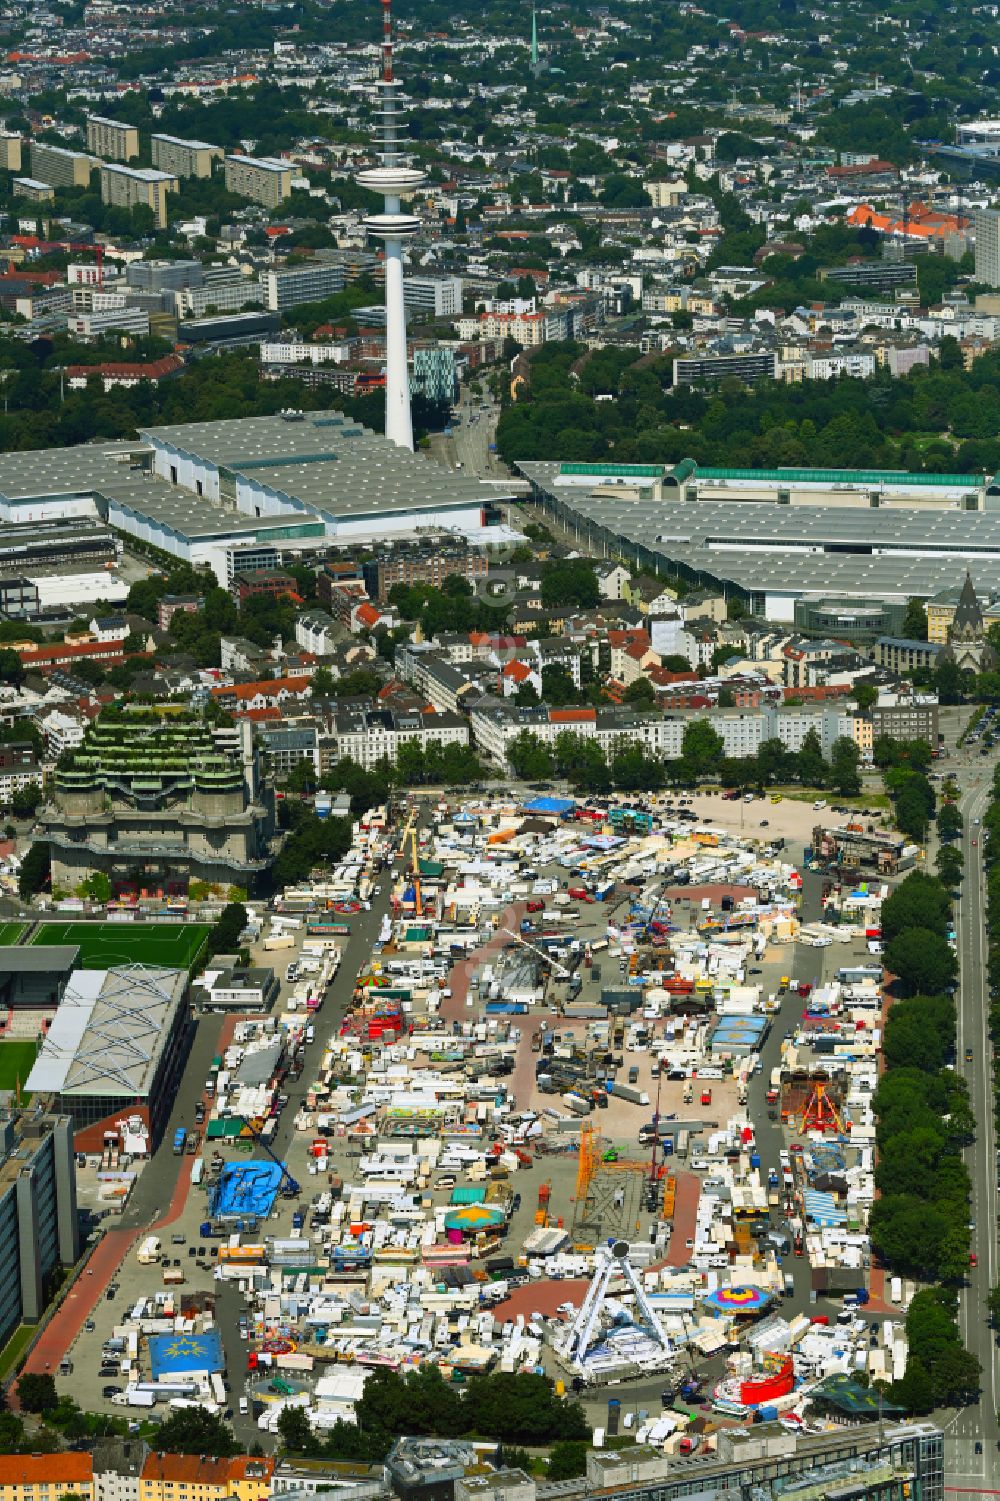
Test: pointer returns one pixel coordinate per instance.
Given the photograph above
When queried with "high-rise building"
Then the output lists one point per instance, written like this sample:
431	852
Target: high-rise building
38	1219
434	374
128	187
259	178
394	180
184	158
10	153
988	246
60	168
112	140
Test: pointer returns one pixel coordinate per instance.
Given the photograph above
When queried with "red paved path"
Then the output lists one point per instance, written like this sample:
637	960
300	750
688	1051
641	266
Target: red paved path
685	1216
58	1336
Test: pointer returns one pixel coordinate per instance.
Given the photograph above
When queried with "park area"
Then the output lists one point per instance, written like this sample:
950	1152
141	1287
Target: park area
101	945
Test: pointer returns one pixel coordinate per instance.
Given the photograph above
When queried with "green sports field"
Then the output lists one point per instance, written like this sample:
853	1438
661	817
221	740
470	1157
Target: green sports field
10	932
103	944
16	1059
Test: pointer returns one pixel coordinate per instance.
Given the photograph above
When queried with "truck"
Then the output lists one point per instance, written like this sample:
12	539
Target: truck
149	1251
628	1092
191	1146
576	1103
180	1139
682	1143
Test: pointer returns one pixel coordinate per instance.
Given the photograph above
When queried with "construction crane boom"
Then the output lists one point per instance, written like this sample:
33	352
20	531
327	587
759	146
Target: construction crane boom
292	1188
560	969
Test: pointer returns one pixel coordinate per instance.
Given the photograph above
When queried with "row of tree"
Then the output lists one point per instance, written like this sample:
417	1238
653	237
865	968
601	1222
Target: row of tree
919	1222
500	1406
632	768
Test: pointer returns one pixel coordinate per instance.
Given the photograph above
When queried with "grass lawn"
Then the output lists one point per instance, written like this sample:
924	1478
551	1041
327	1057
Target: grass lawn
10	932
15	1348
102	944
16	1058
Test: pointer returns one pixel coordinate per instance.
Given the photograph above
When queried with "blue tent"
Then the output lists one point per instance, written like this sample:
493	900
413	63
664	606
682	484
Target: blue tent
181	1354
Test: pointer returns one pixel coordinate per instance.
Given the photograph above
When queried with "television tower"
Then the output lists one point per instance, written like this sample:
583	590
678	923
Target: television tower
392	179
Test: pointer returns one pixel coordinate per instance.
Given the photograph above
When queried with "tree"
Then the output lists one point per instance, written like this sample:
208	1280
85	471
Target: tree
993	1305
865	695
918	902
914	626
322	682
640	692
529	757
567	1460
37	1393
296	1435
569	581
558	687
949	865
192	1430
922	960
225	936
11	668
844	759
949	821
35	870
701	750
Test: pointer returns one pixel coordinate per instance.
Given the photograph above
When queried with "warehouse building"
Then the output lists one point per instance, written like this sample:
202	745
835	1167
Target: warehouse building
773	554
38	1217
115	1047
285	483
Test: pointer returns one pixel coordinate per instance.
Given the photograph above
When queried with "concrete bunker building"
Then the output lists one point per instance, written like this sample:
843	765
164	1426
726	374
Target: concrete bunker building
155	798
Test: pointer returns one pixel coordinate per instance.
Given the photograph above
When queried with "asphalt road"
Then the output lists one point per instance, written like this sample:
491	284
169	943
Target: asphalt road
974	1424
469	445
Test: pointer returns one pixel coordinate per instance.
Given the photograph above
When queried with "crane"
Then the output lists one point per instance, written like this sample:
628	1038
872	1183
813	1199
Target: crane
559	969
291	1188
409	835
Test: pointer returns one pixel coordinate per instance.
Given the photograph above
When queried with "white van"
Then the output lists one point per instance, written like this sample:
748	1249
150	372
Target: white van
244	1407
819	804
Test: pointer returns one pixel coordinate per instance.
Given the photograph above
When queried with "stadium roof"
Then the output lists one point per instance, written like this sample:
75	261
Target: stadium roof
892	552
109	1031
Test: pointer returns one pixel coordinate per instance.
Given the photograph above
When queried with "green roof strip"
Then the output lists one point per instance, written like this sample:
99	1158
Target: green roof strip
616	471
843	477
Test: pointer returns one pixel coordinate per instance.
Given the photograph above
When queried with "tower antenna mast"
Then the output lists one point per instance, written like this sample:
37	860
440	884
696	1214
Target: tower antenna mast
393	178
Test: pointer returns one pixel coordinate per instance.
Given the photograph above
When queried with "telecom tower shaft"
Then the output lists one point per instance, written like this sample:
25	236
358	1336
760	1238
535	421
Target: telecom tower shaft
393	179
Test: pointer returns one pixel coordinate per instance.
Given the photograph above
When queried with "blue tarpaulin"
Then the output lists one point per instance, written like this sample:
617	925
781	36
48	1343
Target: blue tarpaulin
178	1354
248	1188
557	805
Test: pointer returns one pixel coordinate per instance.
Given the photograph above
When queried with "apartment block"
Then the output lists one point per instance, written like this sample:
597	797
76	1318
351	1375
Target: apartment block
112	140
60	168
168	1477
185	158
38	1216
710	369
10	153
128	187
33	190
42	1477
261	179
288	288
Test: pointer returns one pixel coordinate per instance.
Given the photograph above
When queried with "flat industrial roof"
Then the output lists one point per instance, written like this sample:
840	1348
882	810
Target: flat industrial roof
110	1029
760	546
332	464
